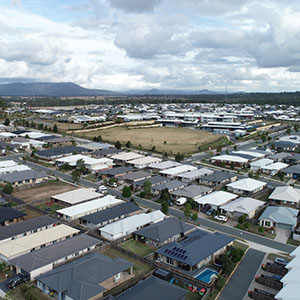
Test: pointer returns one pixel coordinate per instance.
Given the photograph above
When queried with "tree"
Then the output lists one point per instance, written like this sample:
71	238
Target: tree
296	127
194	216
232	165
8	188
153	149
80	166
65	167
242	219
179	157
165	155
219	148
76	175
147	186
126	192
40	126
281	176
55	129
6	122
128	144
118	145
165	196
288	131
164	207
250	174
187	209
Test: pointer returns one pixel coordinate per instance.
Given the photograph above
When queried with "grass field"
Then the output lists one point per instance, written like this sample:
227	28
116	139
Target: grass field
139	268
164	139
137	247
52	208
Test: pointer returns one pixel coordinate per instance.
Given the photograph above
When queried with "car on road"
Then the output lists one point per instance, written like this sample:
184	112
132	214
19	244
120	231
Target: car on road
113	184
280	261
221	218
102	189
15	281
210	212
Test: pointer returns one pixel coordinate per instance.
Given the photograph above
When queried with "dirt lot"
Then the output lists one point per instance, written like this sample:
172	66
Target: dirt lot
165	139
43	191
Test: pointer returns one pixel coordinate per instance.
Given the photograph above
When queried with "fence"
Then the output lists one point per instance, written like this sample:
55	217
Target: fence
275	269
261	295
11	198
275	284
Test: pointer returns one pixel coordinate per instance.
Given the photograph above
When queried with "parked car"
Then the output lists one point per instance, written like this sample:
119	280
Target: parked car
276	277
113	184
102	189
205	208
210	212
280	261
15	281
171	203
221	218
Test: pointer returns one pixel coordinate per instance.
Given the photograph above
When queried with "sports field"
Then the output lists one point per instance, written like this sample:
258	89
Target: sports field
164	139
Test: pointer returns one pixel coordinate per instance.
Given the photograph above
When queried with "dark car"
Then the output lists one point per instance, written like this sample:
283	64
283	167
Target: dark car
210	212
205	208
15	281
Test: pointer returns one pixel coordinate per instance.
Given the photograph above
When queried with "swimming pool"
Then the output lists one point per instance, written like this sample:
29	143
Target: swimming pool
206	275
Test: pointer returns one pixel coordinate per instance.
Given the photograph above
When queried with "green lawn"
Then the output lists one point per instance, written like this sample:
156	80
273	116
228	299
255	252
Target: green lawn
190	295
53	207
137	247
272	256
293	242
139	268
18	294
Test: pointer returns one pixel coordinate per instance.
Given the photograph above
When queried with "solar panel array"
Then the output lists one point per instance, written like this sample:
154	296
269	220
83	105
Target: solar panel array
176	253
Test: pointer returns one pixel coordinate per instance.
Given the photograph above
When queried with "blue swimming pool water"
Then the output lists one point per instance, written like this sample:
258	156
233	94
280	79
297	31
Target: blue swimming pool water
205	275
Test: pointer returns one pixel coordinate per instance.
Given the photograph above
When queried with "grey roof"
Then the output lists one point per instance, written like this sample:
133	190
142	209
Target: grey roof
292	169
280	155
111	213
154	180
218	176
28	225
192	191
151	288
197	246
9	213
170	185
246	156
106	152
45	256
136	175
165	229
117	171
53	152
284	144
80	279
22	175
280	214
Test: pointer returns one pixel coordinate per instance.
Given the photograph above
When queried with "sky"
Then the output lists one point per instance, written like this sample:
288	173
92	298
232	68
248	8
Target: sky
238	45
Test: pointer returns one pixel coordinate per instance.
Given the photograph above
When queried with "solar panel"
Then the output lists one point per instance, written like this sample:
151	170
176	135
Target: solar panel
184	257
175	248
183	251
166	251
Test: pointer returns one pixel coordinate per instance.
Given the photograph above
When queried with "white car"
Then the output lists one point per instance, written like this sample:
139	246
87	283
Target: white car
221	218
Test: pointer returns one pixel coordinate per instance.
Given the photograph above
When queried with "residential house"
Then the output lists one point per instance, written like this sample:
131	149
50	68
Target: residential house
273	169
132	177
164	165
110	215
124	157
174	172
279	217
54	153
106	152
198	249
242	206
171	186
285	195
158	234
246	186
194	176
116	172
86	278
21	178
127	226
292	171
154	180
216	199
218	179
191	192
229	160
259	164
152	288
144	162
45	259
10	215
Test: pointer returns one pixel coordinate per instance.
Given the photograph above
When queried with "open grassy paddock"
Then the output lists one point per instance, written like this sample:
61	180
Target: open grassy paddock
165	139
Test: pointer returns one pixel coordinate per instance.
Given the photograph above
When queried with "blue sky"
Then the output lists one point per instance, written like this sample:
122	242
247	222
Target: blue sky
166	44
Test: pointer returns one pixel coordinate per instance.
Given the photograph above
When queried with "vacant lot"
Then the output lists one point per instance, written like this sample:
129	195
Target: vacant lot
43	191
164	139
137	247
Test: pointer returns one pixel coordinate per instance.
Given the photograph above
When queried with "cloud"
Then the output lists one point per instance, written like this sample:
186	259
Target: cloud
135	6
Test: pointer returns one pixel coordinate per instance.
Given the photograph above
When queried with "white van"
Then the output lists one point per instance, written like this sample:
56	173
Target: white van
181	201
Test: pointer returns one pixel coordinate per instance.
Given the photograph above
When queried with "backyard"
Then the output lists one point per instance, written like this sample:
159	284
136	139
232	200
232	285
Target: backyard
137	247
161	139
50	207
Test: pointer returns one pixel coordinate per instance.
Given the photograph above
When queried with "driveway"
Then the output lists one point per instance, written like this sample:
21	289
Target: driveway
240	281
282	235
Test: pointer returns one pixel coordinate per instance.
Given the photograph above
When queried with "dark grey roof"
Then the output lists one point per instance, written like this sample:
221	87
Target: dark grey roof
117	171
280	155
136	175
47	137
154	180
20	131
45	256
218	176
106	152
165	229
192	191
111	213
22	175
292	169
80	279
9	213
151	288
28	225
170	185
197	246
284	144
246	156
60	151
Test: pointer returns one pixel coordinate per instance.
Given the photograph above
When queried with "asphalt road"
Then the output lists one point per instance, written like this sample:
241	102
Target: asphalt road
148	203
240	281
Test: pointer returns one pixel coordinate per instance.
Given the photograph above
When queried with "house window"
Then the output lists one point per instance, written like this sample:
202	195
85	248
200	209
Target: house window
267	223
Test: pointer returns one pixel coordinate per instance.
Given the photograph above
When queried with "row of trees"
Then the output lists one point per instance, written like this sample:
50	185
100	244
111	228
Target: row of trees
39	126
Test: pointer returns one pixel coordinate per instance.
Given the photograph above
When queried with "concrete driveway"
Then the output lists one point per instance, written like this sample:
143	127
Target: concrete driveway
282	235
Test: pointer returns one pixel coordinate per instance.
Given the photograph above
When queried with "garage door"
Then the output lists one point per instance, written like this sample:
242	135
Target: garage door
284	226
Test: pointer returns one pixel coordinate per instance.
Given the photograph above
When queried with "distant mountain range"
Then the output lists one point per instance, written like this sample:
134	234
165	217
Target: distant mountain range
69	89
